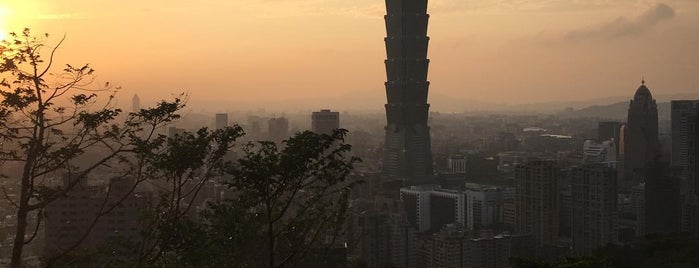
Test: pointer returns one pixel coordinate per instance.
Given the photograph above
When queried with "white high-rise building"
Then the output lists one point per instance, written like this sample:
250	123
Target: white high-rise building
600	152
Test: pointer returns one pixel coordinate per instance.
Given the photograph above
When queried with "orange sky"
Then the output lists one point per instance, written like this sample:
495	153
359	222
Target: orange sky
252	51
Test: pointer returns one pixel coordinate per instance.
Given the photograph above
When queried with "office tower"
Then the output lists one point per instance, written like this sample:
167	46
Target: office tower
278	129
221	121
565	214
662	199
457	164
692	206
447	207
600	152
685	115
641	144
484	205
174	131
70	217
608	130
416	200
135	103
446	247
254	128
407	151
594	213
325	121
382	234
684	124
404	246
372	231
537	201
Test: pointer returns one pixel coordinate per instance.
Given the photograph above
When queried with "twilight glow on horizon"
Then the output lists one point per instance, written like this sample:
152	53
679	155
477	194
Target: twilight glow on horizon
271	50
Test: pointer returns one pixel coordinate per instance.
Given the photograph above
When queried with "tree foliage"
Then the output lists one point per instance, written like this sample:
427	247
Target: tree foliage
54	125
290	202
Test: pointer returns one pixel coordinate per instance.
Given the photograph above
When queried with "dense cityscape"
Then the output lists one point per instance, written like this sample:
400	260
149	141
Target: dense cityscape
151	184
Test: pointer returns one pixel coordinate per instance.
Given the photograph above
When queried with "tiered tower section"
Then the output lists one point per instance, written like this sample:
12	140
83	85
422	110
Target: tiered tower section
407	152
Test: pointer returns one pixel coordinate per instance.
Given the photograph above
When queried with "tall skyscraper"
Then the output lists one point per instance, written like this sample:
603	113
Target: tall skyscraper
135	103
641	143
594	213
537	201
407	151
221	121
325	121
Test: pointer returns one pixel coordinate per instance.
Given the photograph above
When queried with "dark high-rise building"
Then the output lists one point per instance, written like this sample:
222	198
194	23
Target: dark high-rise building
407	152
641	141
685	115
662	199
325	121
609	130
594	213
69	218
684	124
537	201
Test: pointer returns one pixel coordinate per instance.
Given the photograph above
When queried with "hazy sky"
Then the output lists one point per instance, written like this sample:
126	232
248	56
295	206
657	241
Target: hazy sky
508	51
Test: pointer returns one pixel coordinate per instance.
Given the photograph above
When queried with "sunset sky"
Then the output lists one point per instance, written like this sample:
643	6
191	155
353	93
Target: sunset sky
255	51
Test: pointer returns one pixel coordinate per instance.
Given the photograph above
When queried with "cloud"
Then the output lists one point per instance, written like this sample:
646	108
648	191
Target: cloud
622	26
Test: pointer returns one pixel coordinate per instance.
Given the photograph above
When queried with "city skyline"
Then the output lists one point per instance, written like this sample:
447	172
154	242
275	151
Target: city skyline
519	53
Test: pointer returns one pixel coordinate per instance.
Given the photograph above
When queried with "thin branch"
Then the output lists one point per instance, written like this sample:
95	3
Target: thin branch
8	198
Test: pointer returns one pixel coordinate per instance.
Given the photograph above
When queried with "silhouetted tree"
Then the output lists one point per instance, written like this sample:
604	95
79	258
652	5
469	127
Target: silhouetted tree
290	203
53	124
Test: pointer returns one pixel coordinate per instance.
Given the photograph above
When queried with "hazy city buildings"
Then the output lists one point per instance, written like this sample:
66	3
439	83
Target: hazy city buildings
641	135
325	121
594	207
278	129
221	121
537	201
407	147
